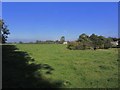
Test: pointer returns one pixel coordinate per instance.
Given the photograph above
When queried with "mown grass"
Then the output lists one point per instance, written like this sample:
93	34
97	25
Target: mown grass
77	68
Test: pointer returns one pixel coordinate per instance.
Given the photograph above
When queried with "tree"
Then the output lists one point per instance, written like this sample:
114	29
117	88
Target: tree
20	42
94	39
4	31
97	41
62	39
92	42
57	41
85	41
107	43
37	41
101	42
114	39
83	37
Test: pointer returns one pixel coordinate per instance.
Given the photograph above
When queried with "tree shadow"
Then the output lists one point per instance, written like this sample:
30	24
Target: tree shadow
20	71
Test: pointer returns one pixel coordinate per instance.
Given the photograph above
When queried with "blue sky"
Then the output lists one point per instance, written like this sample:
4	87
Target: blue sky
49	21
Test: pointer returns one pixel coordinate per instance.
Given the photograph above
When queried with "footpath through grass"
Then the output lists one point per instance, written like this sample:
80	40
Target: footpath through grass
77	68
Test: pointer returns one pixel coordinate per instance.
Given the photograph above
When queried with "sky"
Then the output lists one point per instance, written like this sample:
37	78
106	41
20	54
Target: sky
31	21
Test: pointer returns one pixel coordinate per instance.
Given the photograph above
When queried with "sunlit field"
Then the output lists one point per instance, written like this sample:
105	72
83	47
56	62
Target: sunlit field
76	68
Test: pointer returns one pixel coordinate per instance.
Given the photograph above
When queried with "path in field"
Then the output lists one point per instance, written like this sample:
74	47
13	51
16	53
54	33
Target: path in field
77	68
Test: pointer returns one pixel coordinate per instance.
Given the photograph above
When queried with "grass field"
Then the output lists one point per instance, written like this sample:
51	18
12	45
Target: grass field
76	68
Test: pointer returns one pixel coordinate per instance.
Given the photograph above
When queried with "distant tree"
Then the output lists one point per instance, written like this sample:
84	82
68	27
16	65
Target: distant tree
101	42
97	41
83	38
94	39
49	42
57	41
85	41
62	39
20	42
107	43
37	41
114	39
4	31
31	42
90	42
111	38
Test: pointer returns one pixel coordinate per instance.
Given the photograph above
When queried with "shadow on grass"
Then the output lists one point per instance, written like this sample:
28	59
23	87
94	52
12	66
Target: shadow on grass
20	71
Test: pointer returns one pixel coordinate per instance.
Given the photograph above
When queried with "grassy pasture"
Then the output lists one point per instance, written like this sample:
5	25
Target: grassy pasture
76	68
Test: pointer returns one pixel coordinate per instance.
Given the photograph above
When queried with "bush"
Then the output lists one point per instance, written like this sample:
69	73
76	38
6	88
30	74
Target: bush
78	46
72	45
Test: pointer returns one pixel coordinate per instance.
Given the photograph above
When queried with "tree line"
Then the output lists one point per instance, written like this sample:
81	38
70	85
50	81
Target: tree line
62	39
92	42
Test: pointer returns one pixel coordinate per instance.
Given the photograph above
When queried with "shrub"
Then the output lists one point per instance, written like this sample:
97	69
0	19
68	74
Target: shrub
72	45
78	46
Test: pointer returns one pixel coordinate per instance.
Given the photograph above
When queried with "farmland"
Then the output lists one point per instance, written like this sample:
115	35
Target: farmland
76	68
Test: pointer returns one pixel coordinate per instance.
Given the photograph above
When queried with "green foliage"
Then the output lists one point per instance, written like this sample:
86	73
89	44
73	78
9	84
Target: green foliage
92	42
72	45
79	45
4	31
20	42
57	41
107	43
98	41
83	38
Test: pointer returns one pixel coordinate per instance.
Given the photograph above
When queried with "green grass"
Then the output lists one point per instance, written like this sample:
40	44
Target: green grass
77	68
